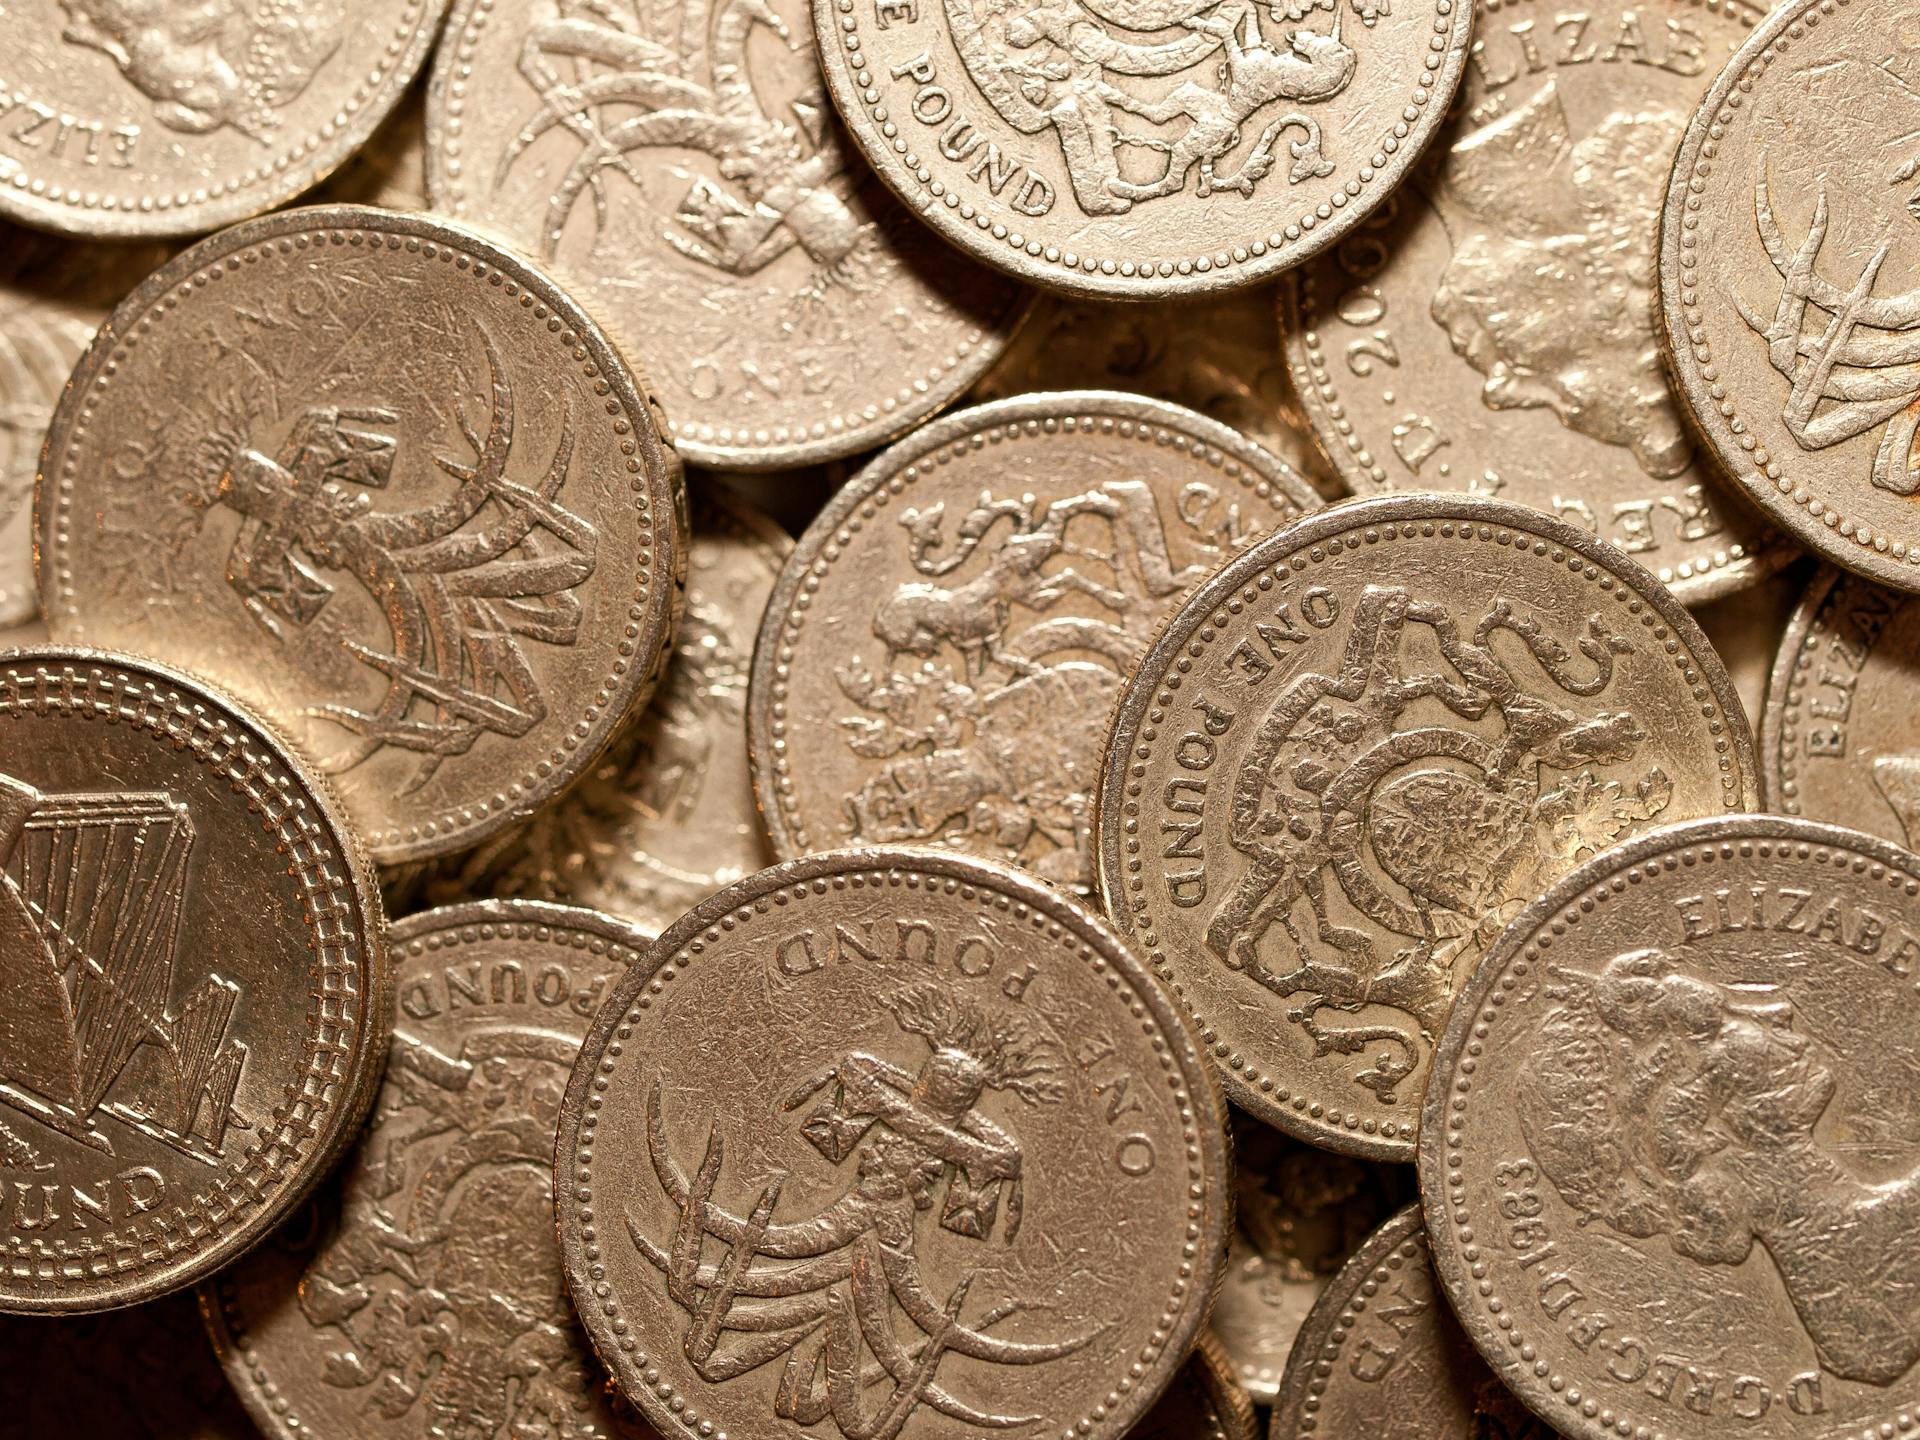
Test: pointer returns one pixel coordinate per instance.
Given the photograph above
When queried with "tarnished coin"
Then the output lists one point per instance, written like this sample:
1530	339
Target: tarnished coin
1492	328
1787	255
1142	148
195	975
667	815
941	653
680	162
1381	1357
1676	1094
1358	750
387	481
1837	739
1211	353
130	117
891	1142
146	1373
420	1294
1299	1214
1204	1402
1745	629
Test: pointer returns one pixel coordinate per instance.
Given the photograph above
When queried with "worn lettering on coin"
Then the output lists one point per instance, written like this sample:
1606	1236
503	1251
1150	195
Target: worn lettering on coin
1359	750
387	481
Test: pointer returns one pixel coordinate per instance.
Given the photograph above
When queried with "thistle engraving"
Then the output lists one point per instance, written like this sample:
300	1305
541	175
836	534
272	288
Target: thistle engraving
840	1297
1347	806
463	583
92	889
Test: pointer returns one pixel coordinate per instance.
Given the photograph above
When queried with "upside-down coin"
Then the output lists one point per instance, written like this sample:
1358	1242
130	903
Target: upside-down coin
387	481
195	974
891	1141
1359	749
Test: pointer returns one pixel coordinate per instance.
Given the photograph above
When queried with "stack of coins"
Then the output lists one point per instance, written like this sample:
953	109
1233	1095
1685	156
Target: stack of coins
926	719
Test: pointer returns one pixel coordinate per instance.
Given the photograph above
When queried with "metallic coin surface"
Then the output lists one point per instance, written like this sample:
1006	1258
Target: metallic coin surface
1381	1356
1143	148
1211	353
681	164
942	650
1746	627
387	481
1837	739
1787	248
667	815
121	119
1358	750
1677	1092
1299	1213
146	1373
1204	1402
192	953
420	1294
1492	328
891	1142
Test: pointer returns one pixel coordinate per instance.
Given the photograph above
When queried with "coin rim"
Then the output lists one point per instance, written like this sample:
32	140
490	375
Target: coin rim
662	579
1736	462
1226	269
765	687
1786	661
365	1065
1137	698
229	1344
1199	1277
333	145
1461	1287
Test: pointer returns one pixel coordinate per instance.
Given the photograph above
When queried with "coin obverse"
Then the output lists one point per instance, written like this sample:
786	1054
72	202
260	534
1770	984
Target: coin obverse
386	481
173	119
891	1141
1358	750
1381	1356
1785	241
195	975
1491	328
1141	149
667	815
443	1217
1665	1100
965	608
681	165
1837	741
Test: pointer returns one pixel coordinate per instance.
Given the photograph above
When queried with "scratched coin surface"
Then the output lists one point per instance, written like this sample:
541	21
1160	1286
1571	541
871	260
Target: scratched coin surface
191	949
680	163
145	1373
1787	258
387	481
1142	148
1837	739
667	815
1204	1402
1492	328
123	117
1211	353
940	655
891	1142
1358	750
1381	1356
1299	1212
420	1294
1675	1092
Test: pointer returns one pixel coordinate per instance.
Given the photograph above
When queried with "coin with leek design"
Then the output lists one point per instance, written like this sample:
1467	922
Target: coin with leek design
385	480
891	1141
1676	1091
419	1294
1358	750
192	952
940	655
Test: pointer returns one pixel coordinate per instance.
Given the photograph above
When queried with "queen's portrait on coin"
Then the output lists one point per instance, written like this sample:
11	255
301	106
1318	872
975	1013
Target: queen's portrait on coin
1671	1104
